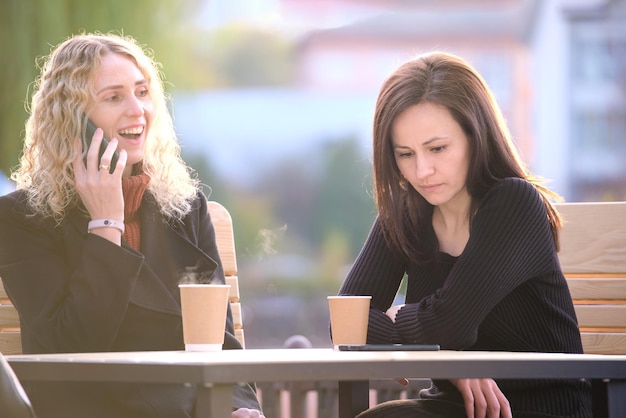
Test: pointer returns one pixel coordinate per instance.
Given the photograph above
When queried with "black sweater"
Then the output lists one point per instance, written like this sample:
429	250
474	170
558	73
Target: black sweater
505	292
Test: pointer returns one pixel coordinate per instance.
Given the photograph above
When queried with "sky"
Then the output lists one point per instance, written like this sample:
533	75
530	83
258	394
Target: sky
276	15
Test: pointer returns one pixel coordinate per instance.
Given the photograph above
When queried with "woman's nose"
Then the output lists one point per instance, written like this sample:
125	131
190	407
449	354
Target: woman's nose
135	107
424	168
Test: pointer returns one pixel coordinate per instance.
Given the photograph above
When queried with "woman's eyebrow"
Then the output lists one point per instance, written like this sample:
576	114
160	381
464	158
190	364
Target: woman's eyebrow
119	86
426	143
433	139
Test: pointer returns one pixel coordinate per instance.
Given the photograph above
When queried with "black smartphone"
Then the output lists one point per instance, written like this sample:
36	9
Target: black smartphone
89	130
388	347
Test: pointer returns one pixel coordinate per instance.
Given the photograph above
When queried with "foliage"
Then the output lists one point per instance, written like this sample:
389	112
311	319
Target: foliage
251	58
229	57
345	200
320	195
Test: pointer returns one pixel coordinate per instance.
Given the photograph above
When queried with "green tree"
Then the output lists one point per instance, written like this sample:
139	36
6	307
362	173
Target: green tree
250	58
344	202
324	198
291	185
252	212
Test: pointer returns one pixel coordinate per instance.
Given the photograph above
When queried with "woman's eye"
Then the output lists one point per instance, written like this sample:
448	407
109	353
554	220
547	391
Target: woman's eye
113	98
438	149
143	93
404	155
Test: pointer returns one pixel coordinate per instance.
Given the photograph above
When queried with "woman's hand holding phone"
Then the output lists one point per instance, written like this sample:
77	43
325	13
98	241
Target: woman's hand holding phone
89	132
100	190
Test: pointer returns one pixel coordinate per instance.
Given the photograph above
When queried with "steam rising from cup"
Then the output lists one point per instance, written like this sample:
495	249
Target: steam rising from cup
192	275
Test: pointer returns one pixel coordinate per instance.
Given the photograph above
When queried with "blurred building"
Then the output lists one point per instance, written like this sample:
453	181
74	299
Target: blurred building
579	83
557	69
492	35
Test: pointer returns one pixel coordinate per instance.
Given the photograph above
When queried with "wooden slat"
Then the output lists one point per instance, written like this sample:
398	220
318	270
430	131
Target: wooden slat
235	308
10	336
604	343
233	281
594	275
601	315
224	236
601	288
240	337
603	329
593	238
10	343
225	239
3	293
599	302
8	317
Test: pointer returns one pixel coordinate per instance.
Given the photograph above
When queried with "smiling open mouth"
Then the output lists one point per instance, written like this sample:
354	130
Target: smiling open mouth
133	133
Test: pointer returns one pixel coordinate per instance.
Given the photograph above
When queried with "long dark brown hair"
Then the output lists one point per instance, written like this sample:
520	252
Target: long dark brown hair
442	79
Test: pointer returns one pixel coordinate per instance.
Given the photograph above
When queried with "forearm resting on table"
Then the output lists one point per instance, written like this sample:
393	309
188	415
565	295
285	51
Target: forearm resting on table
391	313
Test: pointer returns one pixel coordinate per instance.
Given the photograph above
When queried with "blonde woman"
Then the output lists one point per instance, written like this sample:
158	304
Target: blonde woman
93	245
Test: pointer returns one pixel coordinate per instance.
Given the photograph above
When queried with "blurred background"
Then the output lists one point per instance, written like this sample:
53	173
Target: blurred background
273	101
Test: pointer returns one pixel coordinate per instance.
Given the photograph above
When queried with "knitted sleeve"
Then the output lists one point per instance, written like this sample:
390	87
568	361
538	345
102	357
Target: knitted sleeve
377	272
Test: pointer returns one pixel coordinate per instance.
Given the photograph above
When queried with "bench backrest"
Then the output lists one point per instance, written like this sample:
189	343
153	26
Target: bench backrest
10	342
593	258
225	238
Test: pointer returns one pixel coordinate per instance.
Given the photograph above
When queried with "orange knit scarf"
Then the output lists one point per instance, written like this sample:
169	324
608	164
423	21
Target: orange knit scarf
133	189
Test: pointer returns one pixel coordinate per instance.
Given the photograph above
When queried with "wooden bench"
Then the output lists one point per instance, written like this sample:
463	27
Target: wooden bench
10	342
225	238
593	258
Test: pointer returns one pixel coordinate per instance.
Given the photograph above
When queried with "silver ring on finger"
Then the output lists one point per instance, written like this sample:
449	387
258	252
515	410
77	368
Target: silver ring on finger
104	167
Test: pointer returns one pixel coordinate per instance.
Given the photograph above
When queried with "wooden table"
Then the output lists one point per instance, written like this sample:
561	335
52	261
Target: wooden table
214	373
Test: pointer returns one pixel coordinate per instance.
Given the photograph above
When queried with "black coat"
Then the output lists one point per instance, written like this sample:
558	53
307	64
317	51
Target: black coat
78	292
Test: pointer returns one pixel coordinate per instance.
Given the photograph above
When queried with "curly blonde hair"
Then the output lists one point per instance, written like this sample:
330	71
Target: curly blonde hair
57	111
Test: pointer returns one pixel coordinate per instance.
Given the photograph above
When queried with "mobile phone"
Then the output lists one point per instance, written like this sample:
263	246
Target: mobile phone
89	130
388	347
